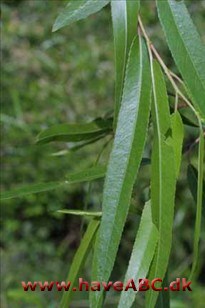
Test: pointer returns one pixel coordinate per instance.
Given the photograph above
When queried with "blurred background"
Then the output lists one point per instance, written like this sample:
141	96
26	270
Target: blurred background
68	76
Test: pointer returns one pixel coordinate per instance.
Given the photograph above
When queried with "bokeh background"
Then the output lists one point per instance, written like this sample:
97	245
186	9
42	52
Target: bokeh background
68	76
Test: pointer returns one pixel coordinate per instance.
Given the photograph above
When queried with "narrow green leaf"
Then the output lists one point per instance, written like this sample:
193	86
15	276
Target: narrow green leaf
186	47
79	260
124	19
30	189
78	146
80	213
76	10
188	117
197	231
75	132
176	139
142	255
87	175
124	162
163	179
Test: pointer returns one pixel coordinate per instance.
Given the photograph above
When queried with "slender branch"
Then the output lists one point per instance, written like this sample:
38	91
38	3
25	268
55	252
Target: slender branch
176	77
167	71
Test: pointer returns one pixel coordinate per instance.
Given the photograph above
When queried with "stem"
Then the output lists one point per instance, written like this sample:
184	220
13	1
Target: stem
167	71
176	77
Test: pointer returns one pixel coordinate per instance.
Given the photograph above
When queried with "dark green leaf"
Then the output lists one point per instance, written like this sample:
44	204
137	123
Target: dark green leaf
142	255
163	179
188	118
75	132
186	47
124	162
77	10
79	260
124	18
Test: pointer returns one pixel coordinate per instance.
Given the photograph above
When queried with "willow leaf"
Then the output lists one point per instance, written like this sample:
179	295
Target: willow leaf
76	10
124	162
197	230
176	139
163	179
80	213
86	175
124	19
79	260
75	132
142	255
30	189
186	47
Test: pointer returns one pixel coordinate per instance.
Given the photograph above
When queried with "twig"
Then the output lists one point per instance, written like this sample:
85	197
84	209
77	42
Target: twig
167	72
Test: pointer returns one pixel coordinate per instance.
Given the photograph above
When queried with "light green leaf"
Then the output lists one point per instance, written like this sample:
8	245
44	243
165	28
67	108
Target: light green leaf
176	139
142	255
197	231
79	260
124	162
76	10
163	179
186	47
80	213
75	132
87	175
124	19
